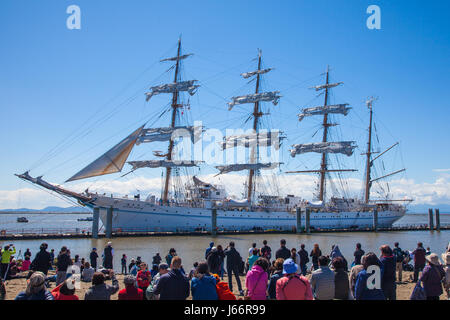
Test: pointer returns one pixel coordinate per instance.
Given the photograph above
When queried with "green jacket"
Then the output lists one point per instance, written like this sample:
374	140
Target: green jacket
6	255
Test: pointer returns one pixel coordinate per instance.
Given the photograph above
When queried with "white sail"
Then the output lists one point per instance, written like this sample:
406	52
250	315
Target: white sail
166	133
337	108
326	86
252	73
344	147
263	139
163	163
246	166
112	161
252	98
184	56
188	86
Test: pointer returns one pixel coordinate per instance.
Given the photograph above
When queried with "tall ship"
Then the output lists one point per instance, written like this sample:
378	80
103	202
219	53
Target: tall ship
187	206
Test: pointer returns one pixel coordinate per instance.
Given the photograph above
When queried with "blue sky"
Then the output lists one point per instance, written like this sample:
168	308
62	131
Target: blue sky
55	81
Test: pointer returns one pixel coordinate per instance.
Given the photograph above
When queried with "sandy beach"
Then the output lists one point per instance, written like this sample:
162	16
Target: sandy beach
14	286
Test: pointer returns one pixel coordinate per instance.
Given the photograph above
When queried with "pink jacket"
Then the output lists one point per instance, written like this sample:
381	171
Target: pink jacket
256	283
297	289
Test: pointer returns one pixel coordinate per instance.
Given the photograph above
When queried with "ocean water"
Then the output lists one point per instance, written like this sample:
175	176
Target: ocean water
192	248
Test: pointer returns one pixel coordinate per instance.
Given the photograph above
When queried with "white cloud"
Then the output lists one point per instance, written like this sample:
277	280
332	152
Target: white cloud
441	170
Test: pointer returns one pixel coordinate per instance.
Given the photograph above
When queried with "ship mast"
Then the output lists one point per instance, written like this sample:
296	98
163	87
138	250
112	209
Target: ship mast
323	166
369	153
256	115
172	124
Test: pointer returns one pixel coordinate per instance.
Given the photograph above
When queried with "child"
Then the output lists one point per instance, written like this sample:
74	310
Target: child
124	264
192	272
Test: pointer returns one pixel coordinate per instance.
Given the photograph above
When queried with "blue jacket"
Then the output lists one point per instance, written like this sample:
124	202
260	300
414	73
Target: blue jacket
204	288
272	284
388	271
41	295
361	290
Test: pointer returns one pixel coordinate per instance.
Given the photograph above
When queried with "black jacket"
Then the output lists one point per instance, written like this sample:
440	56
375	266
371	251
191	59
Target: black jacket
234	259
42	262
93	257
304	259
173	285
64	262
283	252
213	262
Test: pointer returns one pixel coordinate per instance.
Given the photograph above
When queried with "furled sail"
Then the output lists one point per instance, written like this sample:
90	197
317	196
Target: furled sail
252	98
184	56
344	147
246	166
165	134
112	161
163	163
326	86
337	108
252	73
188	86
263	139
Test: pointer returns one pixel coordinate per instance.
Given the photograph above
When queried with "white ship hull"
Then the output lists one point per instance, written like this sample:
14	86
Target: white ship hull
133	215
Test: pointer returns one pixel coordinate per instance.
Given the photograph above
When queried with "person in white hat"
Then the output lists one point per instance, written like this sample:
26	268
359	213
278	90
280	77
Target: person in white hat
432	277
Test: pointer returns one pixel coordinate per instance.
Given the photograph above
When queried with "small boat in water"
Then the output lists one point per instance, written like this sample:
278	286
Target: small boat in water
22	219
86	219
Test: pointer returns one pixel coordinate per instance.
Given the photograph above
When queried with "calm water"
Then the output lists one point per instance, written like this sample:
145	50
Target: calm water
192	248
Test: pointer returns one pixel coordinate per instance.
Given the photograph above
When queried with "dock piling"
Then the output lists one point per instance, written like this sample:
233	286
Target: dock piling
375	220
307	220
430	219
214	221
109	216
95	222
438	220
299	220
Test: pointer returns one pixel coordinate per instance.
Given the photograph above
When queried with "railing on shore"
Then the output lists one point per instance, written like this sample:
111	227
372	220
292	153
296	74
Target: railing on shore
40	231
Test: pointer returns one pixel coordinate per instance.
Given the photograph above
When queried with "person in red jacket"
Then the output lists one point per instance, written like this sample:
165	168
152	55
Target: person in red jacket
130	292
223	291
143	278
65	291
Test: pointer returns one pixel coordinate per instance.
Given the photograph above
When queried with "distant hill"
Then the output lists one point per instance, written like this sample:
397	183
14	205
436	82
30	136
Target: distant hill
50	209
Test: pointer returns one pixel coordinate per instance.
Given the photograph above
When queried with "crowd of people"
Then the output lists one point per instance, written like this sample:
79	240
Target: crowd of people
285	275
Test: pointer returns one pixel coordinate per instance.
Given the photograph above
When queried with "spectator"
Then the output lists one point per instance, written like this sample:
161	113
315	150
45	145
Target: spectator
203	285
322	281
100	290
35	289
419	260
354	274
172	253
296	258
27	253
432	277
233	264
304	259
163	269
193	270
223	291
358	254
156	259
173	285
87	273
65	291
25	264
446	259
252	259
208	250
154	270
123	263
143	277
130	292
42	261
134	269
336	252
293	286
213	260
362	292
278	274
222	260
6	254
283	252
399	255
250	250
131	265
63	263
341	283
256	280
93	258
266	251
108	254
388	275
315	254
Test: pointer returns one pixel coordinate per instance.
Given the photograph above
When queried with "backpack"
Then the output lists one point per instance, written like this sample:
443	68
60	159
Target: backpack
399	255
267	253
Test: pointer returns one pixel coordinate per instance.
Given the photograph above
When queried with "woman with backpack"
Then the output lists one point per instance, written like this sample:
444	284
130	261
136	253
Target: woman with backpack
293	286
